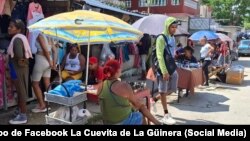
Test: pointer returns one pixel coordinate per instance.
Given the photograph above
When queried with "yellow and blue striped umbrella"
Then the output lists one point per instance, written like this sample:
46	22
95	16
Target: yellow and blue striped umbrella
74	27
86	27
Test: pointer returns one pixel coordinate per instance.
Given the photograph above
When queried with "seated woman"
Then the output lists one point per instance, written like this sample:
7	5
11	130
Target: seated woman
73	64
117	99
187	56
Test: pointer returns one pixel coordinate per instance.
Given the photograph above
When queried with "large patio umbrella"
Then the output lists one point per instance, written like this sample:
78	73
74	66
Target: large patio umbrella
224	37
87	27
154	25
210	35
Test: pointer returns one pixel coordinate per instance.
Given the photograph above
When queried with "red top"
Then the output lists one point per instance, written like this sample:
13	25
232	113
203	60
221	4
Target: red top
99	74
223	49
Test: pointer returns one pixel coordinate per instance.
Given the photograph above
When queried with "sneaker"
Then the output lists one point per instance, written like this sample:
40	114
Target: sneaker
19	119
16	112
181	94
39	110
168	120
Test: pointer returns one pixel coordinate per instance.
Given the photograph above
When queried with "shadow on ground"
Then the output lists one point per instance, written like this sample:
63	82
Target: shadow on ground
242	62
245	83
182	121
203	102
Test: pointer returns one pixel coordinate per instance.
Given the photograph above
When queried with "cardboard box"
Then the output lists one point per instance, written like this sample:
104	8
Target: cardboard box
235	77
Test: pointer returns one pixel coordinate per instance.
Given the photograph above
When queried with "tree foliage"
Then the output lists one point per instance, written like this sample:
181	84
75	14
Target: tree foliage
230	12
247	25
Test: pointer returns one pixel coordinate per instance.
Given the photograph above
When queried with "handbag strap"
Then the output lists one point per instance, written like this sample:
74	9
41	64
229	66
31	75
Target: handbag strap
112	94
167	44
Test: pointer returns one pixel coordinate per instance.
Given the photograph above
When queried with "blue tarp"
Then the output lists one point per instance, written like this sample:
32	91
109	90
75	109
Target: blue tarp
99	4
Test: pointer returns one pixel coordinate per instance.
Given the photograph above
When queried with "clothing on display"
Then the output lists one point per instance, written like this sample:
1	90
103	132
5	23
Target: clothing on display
6	7
2	2
10	88
2	76
35	13
120	59
4	23
125	51
137	57
20	11
8	12
121	51
4	43
61	51
106	54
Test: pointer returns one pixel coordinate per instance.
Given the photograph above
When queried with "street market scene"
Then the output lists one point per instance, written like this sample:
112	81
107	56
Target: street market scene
124	62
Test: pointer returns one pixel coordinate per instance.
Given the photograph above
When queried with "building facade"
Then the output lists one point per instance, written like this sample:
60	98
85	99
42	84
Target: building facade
205	11
176	8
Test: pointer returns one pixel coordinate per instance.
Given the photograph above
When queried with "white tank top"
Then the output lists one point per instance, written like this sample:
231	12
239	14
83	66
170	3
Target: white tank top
73	64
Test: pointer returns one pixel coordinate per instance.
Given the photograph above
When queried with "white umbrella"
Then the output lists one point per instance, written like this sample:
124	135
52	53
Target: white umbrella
154	25
224	37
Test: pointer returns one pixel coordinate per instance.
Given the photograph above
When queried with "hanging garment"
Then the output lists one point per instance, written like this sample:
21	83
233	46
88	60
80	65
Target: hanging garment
20	11
7	7
4	23
35	13
10	88
120	56
132	49
61	51
125	51
4	43
137	57
2	76
113	49
2	3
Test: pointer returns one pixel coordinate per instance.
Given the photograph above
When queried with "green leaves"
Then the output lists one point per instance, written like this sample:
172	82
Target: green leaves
247	25
236	11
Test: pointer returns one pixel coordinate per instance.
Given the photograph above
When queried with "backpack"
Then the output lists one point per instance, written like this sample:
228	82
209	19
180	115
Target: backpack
168	58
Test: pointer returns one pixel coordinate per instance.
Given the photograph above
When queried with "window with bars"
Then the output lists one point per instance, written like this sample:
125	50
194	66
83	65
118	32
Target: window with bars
175	2
145	3
128	3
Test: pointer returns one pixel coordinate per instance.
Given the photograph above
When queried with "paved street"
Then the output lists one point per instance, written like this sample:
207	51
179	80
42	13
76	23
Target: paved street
220	104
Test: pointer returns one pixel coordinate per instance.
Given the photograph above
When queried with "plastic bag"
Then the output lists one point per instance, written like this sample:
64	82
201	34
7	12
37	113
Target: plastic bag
63	113
72	86
106	53
237	68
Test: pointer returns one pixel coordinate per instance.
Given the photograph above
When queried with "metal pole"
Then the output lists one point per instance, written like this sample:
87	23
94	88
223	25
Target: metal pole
87	64
58	61
209	24
148	2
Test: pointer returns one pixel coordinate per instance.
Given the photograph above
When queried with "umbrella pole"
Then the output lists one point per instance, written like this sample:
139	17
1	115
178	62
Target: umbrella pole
87	64
58	61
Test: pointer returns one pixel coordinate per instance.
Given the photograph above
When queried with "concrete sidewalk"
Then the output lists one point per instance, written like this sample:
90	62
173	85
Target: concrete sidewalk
219	104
